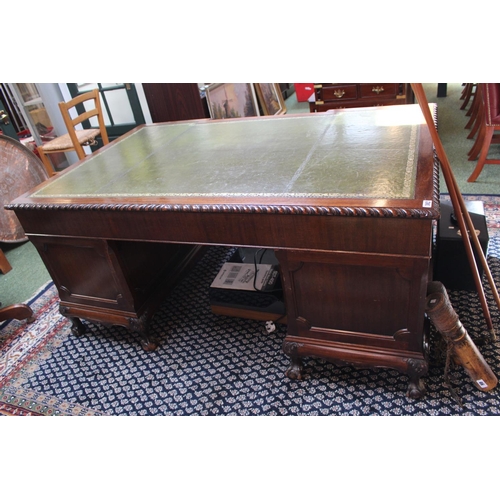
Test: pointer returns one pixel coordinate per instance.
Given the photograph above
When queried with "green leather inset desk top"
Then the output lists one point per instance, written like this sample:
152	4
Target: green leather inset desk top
371	153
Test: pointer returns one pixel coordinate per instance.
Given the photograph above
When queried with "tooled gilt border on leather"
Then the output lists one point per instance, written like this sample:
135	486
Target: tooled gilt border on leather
344	211
257	209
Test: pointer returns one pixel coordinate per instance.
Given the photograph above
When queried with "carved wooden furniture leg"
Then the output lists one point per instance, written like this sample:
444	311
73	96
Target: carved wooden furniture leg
475	124
5	266
474	110
466	94
17	311
295	369
141	326
474	152
416	370
488	137
77	327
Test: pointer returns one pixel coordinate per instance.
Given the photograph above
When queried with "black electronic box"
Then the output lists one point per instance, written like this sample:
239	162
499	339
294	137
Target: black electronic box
451	266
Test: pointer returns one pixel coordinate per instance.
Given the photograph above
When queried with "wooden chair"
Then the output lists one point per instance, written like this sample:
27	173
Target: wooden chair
467	93
475	109
491	123
477	126
17	311
75	139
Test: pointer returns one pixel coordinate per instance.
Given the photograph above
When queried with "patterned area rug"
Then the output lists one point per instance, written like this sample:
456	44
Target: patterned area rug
491	208
216	365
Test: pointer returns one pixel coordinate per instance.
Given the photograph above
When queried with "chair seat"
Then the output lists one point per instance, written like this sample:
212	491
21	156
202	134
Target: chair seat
64	141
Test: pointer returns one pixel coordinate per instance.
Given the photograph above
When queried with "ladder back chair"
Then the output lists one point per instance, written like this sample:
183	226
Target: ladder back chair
75	139
490	124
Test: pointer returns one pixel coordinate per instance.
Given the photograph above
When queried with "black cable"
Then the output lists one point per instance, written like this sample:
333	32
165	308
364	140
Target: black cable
263	250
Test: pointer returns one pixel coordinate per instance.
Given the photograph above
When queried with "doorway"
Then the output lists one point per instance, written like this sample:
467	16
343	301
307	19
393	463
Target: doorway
120	104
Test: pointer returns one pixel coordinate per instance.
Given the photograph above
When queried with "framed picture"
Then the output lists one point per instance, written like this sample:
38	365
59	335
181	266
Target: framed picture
231	100
270	98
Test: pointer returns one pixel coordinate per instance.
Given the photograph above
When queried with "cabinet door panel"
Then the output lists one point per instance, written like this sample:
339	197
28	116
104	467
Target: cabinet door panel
84	271
365	299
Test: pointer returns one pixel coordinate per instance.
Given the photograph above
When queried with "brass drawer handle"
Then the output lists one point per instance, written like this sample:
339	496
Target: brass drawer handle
339	93
377	90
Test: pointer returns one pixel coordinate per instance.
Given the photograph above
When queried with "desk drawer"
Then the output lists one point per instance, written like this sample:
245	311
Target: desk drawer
378	90
337	92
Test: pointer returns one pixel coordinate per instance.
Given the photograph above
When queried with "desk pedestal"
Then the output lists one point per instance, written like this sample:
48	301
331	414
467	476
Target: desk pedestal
357	309
114	282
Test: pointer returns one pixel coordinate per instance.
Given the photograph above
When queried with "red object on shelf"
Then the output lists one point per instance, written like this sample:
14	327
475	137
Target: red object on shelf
304	91
23	134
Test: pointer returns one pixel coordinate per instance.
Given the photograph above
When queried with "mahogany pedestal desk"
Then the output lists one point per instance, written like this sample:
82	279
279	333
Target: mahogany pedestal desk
347	201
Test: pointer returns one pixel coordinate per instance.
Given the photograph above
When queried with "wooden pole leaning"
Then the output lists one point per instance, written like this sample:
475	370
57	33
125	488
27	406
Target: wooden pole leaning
464	220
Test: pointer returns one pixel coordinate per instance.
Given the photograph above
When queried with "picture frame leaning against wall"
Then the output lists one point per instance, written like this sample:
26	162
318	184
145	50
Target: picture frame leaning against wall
231	100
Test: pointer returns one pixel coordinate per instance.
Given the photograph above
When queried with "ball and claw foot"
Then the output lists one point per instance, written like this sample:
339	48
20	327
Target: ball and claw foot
416	389
417	368
149	343
141	326
295	369
77	326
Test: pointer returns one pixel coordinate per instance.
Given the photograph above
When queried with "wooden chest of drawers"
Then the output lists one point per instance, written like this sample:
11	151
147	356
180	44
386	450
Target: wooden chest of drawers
351	95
